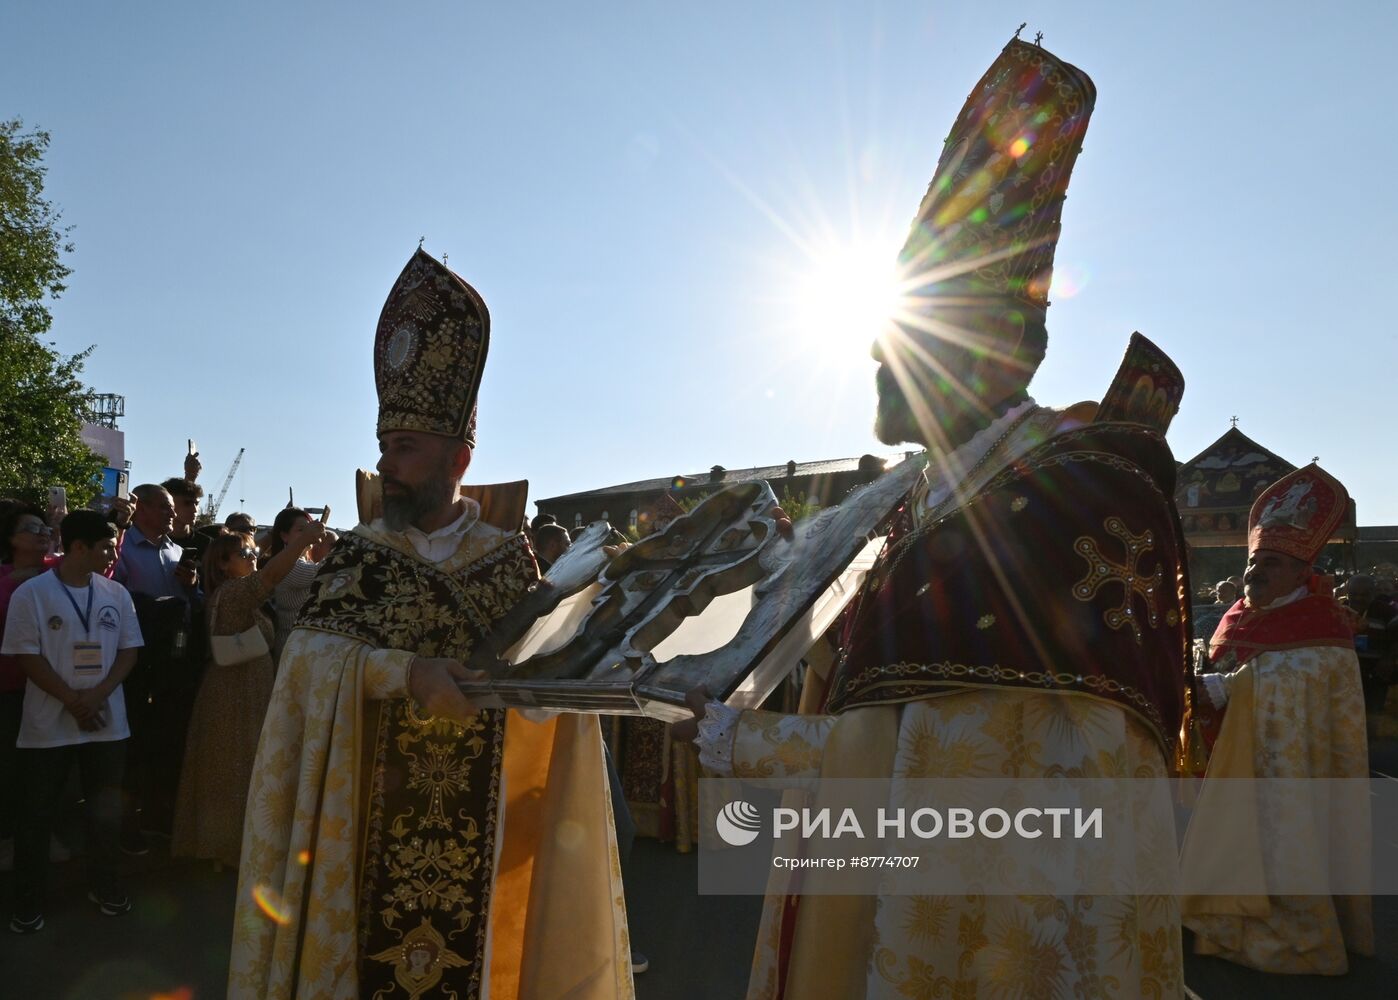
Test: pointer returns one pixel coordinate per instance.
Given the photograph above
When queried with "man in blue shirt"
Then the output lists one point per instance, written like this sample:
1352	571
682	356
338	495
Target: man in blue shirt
160	691
149	562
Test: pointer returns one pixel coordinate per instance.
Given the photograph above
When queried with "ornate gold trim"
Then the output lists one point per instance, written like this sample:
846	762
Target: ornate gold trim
1003	678
1150	721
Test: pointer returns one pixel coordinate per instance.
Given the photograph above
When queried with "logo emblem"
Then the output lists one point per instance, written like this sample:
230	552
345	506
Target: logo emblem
55	623
739	823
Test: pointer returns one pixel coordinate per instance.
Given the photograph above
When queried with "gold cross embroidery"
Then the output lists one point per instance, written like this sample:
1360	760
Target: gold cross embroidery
1102	571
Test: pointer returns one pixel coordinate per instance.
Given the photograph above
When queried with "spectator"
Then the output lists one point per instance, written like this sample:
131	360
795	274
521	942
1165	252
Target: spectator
186	496
1375	637
551	541
227	718
531	528
1225	593
75	635
275	539
150	559
541	520
24	544
294	589
240	521
162	582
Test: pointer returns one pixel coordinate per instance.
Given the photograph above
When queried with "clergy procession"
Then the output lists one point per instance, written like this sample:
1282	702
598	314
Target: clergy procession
397	764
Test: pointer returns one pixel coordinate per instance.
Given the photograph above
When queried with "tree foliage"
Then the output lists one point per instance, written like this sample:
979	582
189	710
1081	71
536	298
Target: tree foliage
797	508
43	400
31	239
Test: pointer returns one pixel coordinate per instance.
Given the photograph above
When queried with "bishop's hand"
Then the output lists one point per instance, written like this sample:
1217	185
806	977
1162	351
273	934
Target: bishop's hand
783	519
433	684
686	730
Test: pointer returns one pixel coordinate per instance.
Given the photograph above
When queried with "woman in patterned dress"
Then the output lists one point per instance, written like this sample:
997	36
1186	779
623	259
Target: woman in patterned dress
227	719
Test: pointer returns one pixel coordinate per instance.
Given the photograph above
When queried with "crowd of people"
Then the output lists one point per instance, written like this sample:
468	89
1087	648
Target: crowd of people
138	648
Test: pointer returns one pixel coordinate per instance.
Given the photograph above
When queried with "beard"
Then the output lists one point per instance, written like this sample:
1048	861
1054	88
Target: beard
893	417
410	504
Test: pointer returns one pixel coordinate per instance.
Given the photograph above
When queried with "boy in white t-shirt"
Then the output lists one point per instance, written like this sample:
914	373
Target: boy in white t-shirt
74	634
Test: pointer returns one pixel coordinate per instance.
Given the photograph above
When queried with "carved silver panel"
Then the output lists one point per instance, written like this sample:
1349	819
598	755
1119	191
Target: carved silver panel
717	598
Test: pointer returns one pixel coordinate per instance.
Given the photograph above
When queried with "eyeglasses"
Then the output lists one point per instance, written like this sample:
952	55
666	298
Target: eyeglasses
248	553
34	529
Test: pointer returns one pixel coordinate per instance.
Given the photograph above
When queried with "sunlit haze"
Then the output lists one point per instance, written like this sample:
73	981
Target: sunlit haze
685	219
848	292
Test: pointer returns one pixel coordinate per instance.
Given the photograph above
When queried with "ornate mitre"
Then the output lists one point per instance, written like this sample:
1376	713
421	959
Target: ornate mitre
980	254
429	352
1298	513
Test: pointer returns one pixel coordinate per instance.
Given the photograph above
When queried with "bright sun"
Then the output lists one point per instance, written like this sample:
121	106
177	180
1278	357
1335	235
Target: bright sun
846	296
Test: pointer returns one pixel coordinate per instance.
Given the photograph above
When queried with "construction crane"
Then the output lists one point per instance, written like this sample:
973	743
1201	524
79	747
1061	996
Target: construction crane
216	502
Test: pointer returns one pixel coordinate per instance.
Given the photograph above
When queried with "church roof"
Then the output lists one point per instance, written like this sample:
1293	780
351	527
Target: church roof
1215	489
1234	449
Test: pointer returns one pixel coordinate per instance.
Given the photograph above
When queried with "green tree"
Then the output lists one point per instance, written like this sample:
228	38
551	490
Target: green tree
688	503
43	400
797	508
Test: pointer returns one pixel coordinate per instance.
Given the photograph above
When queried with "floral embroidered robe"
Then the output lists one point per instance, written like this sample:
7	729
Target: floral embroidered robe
947	691
373	859
1294	710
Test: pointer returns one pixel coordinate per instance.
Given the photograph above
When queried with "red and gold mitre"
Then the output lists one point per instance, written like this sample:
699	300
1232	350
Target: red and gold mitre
429	352
980	254
1298	513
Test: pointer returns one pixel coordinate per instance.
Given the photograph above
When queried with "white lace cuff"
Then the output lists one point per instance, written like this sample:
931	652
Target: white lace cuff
1216	689
715	739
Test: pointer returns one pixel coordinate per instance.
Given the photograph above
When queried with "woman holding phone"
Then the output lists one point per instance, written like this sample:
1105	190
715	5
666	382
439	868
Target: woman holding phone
295	588
228	711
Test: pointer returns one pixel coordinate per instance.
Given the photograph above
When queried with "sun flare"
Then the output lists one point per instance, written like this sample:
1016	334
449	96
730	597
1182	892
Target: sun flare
847	295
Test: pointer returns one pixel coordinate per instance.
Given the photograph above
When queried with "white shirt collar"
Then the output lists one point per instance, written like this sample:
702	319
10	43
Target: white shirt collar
439	545
470	510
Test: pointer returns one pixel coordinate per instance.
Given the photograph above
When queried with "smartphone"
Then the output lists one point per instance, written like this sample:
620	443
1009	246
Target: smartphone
325	514
192	450
58	498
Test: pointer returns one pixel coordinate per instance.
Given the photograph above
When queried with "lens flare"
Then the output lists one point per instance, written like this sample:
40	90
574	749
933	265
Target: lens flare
270	903
847	295
304	857
1069	280
1021	146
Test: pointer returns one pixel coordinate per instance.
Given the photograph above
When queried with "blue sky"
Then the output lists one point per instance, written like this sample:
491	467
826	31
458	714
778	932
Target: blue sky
643	193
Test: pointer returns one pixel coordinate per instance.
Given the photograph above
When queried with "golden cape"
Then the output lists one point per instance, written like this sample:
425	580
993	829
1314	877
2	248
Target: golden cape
557	877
